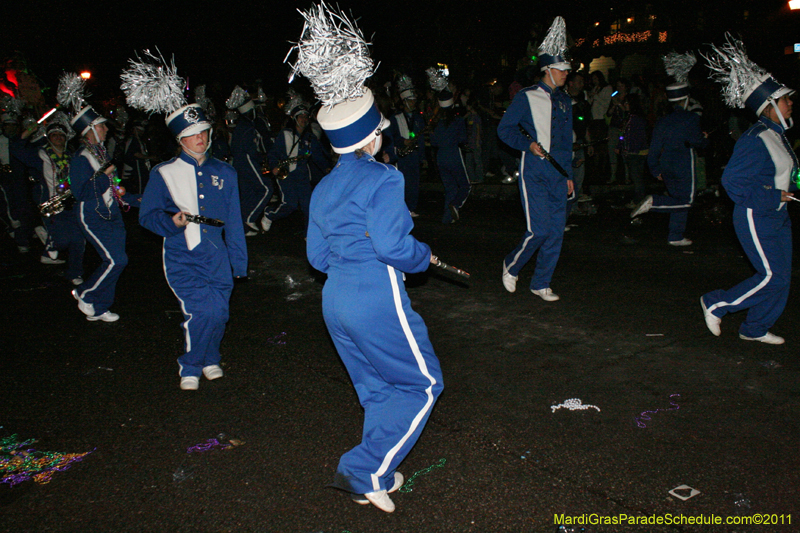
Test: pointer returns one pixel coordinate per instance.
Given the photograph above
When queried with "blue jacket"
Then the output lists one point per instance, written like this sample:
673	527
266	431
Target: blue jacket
447	137
673	138
358	215
416	125
762	165
246	145
546	115
210	190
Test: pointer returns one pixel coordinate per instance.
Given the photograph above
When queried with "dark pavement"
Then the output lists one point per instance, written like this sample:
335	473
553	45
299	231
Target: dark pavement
627	334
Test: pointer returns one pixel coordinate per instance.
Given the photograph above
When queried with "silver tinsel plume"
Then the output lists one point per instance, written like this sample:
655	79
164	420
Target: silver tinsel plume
555	42
71	91
237	98
333	55
404	83
200	96
437	78
730	66
59	117
152	85
293	101
678	65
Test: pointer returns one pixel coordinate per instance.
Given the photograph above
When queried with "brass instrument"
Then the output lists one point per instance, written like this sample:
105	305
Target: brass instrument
407	149
57	204
283	166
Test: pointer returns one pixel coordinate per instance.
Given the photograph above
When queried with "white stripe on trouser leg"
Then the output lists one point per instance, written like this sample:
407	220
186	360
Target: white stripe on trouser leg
183	306
527	211
105	251
751	224
469	186
423	368
258	175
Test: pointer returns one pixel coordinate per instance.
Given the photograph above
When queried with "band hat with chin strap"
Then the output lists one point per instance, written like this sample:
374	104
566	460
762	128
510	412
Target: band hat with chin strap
553	50
405	86
85	119
333	55
187	121
678	66
240	101
445	99
744	83
152	85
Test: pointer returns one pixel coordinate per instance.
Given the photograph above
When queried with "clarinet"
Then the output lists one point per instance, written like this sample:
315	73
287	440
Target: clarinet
198	219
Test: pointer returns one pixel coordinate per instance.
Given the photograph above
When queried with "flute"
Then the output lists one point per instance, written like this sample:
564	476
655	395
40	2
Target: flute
441	264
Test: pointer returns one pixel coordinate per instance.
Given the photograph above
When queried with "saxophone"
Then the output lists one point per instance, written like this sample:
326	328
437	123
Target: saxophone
283	166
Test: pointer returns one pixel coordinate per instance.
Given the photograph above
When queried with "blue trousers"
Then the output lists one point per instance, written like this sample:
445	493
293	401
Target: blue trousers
255	191
295	192
108	238
456	187
204	299
681	195
64	235
767	241
384	345
545	206
409	166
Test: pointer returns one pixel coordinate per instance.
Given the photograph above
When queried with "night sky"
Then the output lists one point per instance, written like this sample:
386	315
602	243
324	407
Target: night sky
237	42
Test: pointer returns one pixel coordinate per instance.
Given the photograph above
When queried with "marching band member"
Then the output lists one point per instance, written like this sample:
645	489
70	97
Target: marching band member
406	131
449	133
672	152
93	181
359	234
250	143
200	260
758	178
544	111
50	165
295	148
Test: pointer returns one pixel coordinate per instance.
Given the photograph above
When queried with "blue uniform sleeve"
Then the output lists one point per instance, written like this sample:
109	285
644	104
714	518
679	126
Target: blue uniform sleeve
156	206
317	248
389	226
695	131
27	153
518	114
234	230
750	160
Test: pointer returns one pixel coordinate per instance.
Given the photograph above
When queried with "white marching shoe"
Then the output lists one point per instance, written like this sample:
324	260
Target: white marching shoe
509	281
712	321
546	294
769	338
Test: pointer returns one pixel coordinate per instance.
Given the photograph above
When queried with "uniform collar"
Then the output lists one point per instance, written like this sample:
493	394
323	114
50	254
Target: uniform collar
352	157
777	128
546	87
191	160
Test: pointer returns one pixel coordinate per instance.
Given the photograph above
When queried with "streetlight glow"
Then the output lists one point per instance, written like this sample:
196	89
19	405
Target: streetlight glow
86	75
794	4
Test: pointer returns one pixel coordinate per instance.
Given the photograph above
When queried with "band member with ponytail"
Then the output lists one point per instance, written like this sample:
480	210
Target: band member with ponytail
359	234
200	260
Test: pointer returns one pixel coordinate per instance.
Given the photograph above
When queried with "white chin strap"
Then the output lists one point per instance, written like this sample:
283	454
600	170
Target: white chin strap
550	73
378	144
198	154
780	116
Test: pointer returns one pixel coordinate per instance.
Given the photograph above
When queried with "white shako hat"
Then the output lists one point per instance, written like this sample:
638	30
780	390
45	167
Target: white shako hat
438	79
333	55
744	84
553	50
71	95
678	66
153	86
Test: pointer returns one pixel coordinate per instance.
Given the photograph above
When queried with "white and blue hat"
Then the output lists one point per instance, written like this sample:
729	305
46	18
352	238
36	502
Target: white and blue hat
678	66
187	121
85	119
553	50
353	123
240	100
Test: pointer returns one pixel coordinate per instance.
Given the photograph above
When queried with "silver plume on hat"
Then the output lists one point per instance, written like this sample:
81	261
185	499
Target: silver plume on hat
237	98
152	85
678	65
438	78
555	42
71	91
333	55
730	66
404	83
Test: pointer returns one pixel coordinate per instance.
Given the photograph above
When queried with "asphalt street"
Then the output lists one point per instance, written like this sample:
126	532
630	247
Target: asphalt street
498	455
